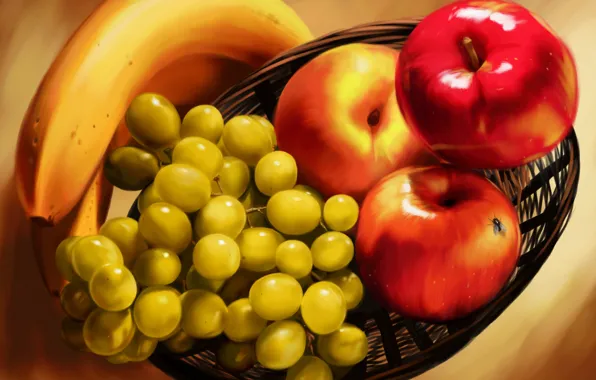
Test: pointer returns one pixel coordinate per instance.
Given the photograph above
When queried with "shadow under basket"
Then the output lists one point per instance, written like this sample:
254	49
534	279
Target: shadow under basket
543	193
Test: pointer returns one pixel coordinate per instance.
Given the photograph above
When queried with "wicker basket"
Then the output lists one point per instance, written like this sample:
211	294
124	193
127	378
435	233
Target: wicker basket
542	191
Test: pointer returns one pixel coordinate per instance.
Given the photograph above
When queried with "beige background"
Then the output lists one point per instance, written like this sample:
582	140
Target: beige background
548	333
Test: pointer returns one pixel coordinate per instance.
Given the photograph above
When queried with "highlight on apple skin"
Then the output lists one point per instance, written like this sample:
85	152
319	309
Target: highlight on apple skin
436	243
338	117
487	84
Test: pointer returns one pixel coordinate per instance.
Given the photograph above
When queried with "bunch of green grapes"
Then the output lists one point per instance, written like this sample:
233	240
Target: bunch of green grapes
227	244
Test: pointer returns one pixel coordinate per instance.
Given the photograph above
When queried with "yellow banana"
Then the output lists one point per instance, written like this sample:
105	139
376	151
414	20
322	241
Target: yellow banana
114	55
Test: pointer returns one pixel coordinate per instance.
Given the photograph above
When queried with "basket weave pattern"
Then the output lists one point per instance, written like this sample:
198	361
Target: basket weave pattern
542	191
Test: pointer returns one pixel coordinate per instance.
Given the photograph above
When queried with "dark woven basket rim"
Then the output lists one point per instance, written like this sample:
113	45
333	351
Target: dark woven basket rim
257	94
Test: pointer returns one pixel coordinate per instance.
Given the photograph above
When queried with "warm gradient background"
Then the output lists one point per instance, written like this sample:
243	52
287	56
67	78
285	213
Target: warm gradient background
548	333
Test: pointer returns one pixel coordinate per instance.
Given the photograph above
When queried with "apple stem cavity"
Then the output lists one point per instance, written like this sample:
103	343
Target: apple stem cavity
373	118
472	55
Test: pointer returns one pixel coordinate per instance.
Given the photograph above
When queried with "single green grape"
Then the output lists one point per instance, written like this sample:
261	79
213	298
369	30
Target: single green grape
243	324
125	233
313	193
180	343
268	126
108	332
293	212
183	186
276	296
113	287
340	212
140	348
204	314
158	311
223	214
203	121
130	168
233	178
246	139
76	301
332	251
275	172
199	153
253	199
323	307
64	257
346	346
281	345
257	248
153	121
195	281
90	253
238	286
71	333
216	257
294	258
163	225
310	368
148	197
222	147
157	266
350	285
236	357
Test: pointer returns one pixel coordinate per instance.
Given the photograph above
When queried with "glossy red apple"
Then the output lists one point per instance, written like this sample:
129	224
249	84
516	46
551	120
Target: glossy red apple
338	117
487	84
436	243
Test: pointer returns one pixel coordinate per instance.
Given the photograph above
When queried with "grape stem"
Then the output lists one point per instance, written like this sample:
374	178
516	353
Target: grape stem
323	226
216	179
316	276
256	209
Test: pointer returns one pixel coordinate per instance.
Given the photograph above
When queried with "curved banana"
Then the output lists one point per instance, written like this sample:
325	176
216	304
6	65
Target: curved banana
110	59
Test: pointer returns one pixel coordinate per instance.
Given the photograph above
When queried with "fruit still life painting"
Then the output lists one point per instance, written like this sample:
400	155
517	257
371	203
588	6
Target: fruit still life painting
356	206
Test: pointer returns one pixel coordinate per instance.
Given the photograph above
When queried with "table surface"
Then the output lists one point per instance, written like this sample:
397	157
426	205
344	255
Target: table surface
548	332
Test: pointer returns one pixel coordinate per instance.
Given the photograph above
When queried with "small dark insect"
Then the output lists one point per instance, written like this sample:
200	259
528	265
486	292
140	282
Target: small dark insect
498	227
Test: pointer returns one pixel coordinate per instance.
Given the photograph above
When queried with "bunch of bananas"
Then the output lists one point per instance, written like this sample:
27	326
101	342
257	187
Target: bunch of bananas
187	50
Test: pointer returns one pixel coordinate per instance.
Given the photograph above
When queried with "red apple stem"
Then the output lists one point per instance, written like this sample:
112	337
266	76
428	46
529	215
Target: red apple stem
473	56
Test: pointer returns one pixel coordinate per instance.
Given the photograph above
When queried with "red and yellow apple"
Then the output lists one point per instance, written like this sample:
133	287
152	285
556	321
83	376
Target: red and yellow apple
338	117
436	243
487	84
